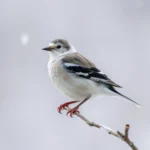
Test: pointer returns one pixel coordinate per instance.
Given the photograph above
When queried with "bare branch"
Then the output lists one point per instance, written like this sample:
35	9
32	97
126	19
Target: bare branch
126	130
117	134
126	138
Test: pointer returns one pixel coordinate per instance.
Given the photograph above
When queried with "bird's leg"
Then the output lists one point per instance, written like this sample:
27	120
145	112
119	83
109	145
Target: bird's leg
65	104
75	109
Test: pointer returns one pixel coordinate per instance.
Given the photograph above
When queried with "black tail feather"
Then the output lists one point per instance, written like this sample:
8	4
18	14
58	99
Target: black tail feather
111	88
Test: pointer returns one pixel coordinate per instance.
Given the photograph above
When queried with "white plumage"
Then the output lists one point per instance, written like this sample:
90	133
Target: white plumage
76	76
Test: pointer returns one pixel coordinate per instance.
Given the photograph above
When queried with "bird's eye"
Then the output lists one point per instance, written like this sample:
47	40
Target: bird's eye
58	46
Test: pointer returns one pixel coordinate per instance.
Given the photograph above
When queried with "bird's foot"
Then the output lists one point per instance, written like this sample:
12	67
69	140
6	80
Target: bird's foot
72	111
61	107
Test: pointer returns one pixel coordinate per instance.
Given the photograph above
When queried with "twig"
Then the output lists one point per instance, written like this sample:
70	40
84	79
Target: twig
125	137
117	134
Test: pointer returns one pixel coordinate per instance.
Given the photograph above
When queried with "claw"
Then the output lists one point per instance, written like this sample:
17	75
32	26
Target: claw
60	109
72	111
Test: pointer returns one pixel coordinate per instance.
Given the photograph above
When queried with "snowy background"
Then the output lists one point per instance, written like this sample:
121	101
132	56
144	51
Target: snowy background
114	34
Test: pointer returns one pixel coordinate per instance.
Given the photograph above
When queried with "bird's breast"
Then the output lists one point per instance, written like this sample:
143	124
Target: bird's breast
67	83
57	72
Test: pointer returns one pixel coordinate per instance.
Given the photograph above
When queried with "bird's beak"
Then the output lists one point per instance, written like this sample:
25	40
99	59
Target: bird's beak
49	48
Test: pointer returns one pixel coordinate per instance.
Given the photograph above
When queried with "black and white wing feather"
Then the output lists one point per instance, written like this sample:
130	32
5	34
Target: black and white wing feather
81	67
90	73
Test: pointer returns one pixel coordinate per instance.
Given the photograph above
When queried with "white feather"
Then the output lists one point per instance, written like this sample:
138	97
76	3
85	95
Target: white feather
81	73
70	65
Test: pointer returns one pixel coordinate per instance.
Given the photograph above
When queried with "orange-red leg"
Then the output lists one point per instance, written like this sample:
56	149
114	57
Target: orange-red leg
75	109
65	104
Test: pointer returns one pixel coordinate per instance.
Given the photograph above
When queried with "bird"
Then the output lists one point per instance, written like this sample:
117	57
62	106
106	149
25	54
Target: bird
77	77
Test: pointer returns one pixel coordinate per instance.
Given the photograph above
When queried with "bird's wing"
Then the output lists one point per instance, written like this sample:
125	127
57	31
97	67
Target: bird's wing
79	65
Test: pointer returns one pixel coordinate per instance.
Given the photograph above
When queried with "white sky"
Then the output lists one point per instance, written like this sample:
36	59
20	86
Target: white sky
114	34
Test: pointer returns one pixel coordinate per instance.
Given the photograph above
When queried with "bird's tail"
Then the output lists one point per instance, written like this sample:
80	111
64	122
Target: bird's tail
127	98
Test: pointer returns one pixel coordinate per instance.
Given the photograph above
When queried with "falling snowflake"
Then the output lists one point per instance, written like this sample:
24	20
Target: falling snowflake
24	39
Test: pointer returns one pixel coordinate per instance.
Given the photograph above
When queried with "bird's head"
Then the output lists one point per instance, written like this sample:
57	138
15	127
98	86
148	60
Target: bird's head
59	47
